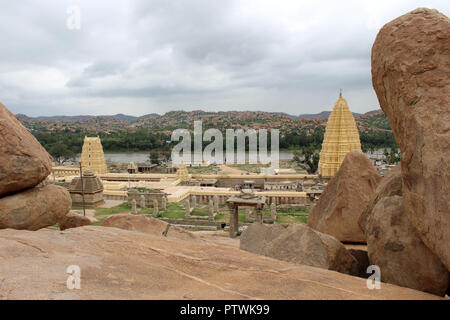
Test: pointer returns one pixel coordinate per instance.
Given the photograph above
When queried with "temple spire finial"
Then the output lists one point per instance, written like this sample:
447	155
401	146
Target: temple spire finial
340	93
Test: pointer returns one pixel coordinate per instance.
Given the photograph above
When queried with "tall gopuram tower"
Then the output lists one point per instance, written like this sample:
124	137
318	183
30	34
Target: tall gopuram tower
341	136
92	156
182	173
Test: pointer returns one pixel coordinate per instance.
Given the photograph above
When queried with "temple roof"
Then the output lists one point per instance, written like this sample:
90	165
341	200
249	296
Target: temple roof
341	136
91	183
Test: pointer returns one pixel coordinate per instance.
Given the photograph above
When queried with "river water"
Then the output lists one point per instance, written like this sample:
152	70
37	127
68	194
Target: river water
142	157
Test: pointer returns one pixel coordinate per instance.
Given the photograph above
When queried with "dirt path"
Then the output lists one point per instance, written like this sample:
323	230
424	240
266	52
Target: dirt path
229	170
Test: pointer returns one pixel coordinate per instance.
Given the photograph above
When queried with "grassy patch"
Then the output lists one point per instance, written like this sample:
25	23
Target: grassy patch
177	211
174	211
292	216
201	210
121	208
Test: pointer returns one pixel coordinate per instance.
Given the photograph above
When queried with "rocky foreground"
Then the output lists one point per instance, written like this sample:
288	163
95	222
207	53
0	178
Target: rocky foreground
121	264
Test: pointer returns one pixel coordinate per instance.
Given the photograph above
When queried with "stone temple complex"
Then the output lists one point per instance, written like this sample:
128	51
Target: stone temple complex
92	156
341	136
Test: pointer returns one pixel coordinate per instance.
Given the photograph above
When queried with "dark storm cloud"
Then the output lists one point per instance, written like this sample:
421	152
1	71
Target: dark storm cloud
141	56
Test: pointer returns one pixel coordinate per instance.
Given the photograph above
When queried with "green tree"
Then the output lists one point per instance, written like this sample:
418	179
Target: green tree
60	152
308	158
154	158
393	156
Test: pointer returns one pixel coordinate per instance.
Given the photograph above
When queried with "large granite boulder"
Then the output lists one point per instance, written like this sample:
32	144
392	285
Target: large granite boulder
73	220
298	244
34	208
24	163
410	74
257	237
344	199
394	246
390	185
118	265
302	245
143	224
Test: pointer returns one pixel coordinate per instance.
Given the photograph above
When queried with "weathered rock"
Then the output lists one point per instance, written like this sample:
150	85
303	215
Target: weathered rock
120	264
73	220
35	208
146	225
344	199
410	74
390	185
302	245
24	163
257	237
394	246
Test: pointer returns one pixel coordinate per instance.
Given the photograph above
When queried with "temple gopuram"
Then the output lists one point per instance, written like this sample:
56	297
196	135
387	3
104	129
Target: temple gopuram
341	136
92	156
182	173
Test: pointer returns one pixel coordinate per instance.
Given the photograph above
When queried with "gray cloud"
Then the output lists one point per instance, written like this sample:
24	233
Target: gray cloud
147	56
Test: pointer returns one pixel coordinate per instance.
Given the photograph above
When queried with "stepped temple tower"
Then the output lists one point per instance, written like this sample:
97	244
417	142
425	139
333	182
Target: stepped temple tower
92	189
341	136
182	173
92	156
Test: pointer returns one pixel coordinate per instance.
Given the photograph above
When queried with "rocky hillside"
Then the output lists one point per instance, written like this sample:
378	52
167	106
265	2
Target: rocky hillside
371	121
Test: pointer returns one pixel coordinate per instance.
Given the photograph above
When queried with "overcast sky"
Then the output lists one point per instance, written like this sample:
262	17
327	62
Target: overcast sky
145	56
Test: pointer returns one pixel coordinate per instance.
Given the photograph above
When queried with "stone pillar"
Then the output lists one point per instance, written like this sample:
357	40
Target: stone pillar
133	206
273	211
188	208
216	204
248	213
142	201
194	201
155	208
211	210
234	221
164	204
259	215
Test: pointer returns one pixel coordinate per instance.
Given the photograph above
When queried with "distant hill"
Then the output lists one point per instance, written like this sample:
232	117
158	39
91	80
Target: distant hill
125	117
149	116
322	115
119	116
67	118
128	133
189	114
308	123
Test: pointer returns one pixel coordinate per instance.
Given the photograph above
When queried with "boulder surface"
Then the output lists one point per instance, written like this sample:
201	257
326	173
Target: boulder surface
302	245
143	224
257	236
35	208
344	199
394	246
121	264
24	163
73	220
390	185
410	75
